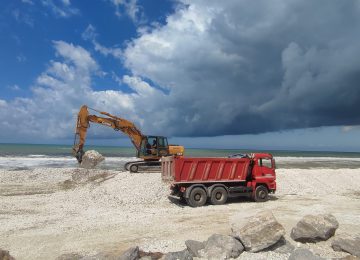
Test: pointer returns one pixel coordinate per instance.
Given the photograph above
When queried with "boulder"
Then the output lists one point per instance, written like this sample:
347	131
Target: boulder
194	247
181	255
91	158
221	247
260	232
304	254
314	228
5	255
347	244
283	246
132	253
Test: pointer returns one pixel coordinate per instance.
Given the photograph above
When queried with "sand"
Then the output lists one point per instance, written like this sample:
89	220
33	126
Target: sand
45	213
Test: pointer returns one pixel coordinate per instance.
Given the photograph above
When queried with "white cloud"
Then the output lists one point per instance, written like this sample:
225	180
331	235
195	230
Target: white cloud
21	17
28	2
62	9
131	8
57	95
14	87
90	35
3	103
21	58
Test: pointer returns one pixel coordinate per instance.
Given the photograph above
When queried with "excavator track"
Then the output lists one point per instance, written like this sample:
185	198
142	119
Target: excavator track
142	166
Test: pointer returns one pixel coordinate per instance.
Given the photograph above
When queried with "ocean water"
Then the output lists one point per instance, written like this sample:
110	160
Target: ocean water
29	156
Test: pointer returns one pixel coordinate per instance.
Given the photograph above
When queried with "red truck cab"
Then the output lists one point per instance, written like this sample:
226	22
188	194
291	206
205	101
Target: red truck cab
198	180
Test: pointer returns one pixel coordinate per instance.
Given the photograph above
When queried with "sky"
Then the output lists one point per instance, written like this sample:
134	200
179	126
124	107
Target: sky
241	74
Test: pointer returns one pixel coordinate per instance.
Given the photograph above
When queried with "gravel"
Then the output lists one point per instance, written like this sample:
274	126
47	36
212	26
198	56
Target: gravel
47	212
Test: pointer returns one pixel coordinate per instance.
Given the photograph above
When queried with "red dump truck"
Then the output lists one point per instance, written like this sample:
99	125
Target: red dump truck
198	180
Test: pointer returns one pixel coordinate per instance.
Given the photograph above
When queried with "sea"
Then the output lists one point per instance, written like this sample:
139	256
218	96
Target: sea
29	156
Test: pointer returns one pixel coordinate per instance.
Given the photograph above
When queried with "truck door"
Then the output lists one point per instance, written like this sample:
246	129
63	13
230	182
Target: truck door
162	146
267	167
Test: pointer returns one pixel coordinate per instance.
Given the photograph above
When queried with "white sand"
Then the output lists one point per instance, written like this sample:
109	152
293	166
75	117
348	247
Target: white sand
48	212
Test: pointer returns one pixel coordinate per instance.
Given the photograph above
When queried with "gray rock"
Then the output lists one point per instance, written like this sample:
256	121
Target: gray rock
194	247
304	254
5	255
313	228
221	247
132	253
181	255
91	158
260	232
283	246
69	256
347	244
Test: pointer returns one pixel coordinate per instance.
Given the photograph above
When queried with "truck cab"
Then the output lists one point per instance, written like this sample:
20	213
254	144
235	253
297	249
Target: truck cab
264	171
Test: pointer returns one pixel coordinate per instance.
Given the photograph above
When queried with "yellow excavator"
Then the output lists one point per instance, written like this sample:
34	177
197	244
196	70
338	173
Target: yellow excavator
149	148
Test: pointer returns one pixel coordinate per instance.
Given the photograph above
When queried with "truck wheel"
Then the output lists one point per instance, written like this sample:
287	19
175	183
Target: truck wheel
126	166
197	197
134	168
219	196
261	194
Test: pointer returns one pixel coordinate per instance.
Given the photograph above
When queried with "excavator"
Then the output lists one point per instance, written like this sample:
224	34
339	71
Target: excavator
149	148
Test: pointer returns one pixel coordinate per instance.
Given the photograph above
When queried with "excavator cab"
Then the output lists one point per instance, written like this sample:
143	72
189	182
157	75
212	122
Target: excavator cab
153	147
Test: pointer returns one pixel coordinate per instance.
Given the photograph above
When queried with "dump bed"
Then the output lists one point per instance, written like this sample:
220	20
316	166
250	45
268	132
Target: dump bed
188	170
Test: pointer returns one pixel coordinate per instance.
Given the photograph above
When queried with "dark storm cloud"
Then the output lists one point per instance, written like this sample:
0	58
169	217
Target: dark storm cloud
239	67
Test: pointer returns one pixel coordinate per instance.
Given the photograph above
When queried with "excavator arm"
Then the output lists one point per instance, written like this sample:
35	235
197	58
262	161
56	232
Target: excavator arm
117	123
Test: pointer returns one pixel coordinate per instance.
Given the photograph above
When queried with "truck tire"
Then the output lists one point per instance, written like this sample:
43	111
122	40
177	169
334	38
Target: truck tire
197	197
218	196
134	168
261	194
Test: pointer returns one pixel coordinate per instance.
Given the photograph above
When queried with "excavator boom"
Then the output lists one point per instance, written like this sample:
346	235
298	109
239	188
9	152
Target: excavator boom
117	123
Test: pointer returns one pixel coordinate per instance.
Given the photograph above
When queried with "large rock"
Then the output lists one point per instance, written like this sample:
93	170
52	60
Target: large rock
5	255
181	255
283	246
221	247
304	254
260	232
91	158
313	228
347	244
132	253
194	247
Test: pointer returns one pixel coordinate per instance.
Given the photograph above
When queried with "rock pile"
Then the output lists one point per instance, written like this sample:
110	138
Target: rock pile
5	255
91	158
262	233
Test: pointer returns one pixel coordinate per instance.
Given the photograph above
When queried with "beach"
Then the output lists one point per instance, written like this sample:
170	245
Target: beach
48	212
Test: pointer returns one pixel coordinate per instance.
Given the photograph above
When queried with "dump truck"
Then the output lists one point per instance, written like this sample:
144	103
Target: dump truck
198	180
